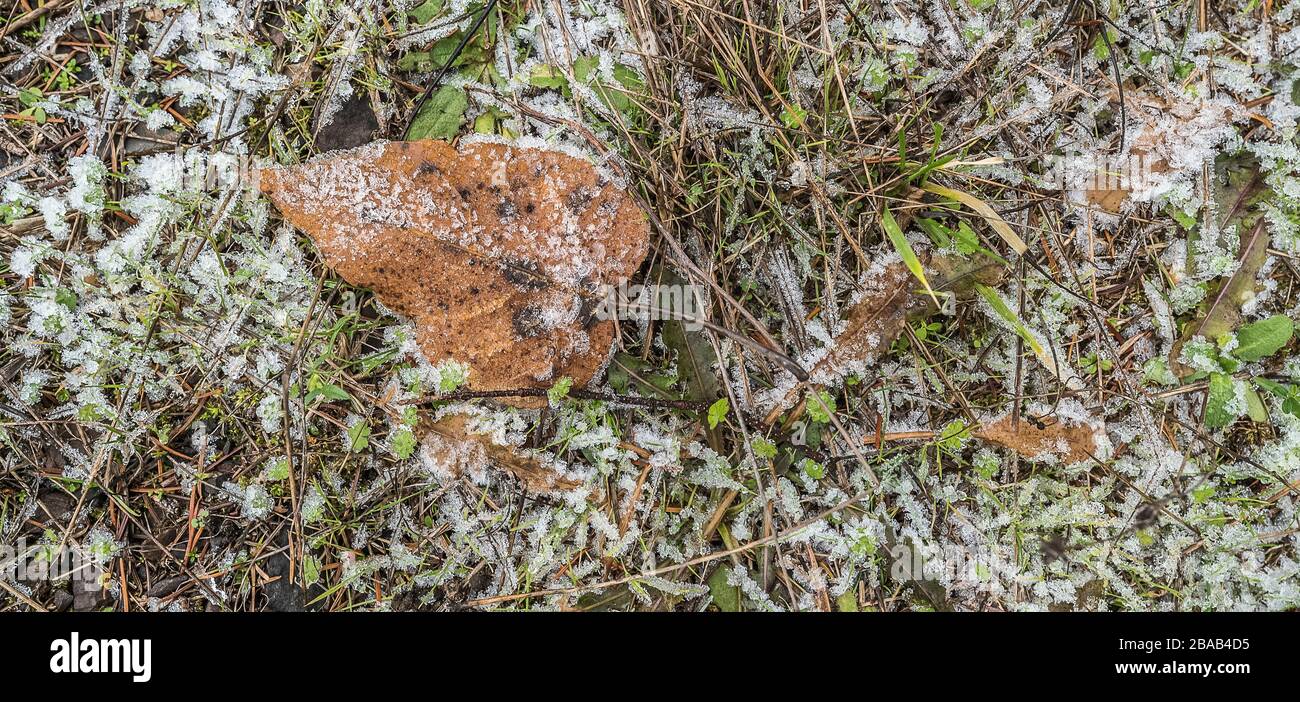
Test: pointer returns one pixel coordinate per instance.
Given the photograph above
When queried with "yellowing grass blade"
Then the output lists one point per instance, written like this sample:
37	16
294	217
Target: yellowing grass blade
980	207
986	161
904	249
1000	307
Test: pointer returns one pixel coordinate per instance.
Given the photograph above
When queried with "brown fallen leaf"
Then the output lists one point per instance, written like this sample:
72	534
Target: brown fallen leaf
1070	442
889	298
1116	185
1112	199
874	320
498	253
451	448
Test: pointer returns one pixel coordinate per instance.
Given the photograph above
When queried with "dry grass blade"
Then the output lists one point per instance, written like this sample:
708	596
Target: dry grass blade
988	213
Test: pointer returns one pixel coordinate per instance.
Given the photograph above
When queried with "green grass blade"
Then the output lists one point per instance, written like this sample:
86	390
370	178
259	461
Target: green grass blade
904	249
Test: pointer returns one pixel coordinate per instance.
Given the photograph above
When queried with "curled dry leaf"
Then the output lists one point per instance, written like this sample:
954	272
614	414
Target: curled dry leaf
891	297
876	318
888	298
450	447
498	253
1070	442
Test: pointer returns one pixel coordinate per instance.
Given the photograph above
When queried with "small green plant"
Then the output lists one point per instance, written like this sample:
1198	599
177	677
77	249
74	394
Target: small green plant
11	212
718	412
359	436
1092	364
559	390
953	435
402	443
66	76
793	116
1229	398
30	99
441	116
317	389
963	238
812	469
821	407
925	330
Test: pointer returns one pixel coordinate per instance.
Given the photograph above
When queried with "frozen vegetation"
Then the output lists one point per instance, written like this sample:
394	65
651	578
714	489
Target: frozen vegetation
1108	420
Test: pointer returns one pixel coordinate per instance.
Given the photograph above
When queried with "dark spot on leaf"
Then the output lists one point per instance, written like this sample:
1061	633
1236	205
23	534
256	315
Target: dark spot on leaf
527	321
578	199
523	274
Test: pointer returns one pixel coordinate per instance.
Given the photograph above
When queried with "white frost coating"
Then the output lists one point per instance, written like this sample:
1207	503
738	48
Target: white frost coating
75	313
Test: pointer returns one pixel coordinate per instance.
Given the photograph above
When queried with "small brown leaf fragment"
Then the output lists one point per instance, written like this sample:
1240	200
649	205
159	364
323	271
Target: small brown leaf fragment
498	253
1116	187
876	318
450	447
1072	443
887	301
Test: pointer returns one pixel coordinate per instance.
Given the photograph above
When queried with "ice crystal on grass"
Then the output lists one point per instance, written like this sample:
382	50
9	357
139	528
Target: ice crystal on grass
253	500
174	334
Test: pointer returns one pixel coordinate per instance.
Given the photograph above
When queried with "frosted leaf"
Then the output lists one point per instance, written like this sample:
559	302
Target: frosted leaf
495	252
453	446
